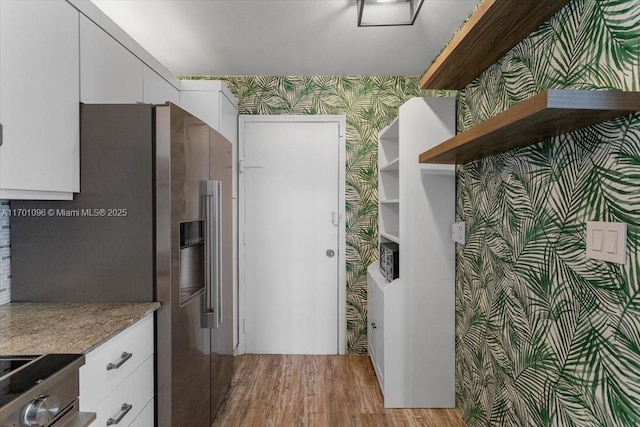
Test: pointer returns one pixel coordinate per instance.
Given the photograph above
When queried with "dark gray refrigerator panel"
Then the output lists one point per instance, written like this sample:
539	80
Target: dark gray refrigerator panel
221	170
184	347
99	246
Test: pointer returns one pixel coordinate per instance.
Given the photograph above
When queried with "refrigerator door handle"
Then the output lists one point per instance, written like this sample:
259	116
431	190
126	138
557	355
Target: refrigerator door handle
217	253
211	199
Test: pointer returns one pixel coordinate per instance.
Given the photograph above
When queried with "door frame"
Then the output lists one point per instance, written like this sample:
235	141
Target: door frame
243	119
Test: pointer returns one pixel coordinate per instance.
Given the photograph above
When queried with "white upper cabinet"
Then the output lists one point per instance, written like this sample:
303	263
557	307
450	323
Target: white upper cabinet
229	117
55	54
39	92
211	102
109	73
157	90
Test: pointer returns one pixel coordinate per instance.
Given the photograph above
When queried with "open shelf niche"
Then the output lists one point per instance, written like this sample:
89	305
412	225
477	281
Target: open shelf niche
550	113
388	183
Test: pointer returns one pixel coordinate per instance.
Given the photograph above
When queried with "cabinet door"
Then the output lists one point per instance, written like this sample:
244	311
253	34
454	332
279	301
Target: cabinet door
379	333
371	317
375	313
136	391
39	92
157	90
109	73
204	104
146	417
96	380
229	129
228	119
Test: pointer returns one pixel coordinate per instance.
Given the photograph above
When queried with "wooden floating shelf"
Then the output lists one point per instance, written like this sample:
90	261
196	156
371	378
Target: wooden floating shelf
495	27
547	114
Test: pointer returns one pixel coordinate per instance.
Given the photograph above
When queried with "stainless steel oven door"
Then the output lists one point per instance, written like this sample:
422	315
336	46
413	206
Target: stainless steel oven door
79	419
73	418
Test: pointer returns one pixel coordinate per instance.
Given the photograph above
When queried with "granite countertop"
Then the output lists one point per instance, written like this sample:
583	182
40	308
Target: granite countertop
40	328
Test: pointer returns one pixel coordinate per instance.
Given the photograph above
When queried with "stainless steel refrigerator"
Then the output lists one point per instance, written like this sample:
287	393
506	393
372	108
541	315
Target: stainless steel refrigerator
152	222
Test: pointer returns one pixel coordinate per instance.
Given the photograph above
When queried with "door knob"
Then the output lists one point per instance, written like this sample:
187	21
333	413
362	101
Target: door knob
330	253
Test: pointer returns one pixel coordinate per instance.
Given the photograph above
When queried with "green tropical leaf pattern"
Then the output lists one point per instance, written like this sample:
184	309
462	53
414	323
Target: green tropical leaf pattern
544	336
369	104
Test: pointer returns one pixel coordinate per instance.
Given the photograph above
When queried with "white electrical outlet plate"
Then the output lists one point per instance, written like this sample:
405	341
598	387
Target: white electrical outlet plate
607	241
458	232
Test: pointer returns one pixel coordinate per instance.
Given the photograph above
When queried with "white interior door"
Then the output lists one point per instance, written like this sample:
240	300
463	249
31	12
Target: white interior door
291	258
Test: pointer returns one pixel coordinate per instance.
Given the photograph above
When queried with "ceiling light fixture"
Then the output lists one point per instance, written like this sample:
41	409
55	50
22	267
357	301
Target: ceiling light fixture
380	13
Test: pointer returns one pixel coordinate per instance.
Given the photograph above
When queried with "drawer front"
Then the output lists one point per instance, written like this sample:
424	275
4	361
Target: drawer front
146	417
136	391
96	381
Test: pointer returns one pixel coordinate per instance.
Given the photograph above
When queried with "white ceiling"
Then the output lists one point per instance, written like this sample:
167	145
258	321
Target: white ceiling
283	37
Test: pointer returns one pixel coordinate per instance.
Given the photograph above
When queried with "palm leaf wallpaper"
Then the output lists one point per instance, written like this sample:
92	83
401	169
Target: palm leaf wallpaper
369	104
544	336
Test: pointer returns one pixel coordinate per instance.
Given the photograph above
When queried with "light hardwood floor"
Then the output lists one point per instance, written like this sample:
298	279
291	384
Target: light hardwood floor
316	391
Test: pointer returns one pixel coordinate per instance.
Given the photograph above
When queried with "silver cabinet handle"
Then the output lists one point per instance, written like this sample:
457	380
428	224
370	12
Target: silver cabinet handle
124	410
123	358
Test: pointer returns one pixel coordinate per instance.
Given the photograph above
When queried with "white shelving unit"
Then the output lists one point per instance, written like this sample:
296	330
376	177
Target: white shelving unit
412	319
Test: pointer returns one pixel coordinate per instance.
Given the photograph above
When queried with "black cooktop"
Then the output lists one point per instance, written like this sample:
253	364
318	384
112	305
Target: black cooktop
18	374
11	363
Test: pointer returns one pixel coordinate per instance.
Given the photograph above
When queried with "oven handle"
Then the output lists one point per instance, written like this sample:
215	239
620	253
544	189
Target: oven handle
79	419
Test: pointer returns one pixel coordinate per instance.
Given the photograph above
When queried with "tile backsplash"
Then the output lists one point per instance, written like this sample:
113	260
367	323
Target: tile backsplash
5	248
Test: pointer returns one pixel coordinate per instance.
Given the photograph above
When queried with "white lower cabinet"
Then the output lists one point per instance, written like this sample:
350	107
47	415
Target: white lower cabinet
146	417
126	402
117	380
376	321
411	342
